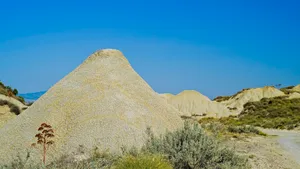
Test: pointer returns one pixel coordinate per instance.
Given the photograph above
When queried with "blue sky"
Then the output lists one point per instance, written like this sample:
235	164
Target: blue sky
215	47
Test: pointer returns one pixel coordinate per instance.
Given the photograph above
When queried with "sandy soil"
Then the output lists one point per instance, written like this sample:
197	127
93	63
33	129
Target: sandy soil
5	115
271	152
289	141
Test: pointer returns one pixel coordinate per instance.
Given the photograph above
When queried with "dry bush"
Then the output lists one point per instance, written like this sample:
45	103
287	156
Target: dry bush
13	108
191	148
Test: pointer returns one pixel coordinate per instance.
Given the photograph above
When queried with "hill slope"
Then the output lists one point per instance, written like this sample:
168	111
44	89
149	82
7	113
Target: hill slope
277	112
10	92
236	102
192	103
10	104
296	88
102	103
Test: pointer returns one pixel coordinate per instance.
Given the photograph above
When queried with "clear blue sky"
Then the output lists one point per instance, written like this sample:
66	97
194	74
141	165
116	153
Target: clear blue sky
215	47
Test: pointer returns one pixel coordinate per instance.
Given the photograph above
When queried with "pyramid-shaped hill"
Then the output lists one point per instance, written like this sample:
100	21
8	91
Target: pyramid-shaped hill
192	103
102	103
236	103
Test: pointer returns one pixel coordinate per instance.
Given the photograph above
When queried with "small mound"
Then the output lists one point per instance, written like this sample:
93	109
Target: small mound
192	103
251	95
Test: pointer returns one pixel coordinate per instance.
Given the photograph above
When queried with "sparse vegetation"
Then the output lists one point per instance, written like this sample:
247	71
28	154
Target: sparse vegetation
245	129
240	92
143	161
221	130
186	148
97	159
277	112
13	108
221	98
224	98
10	92
287	90
2	85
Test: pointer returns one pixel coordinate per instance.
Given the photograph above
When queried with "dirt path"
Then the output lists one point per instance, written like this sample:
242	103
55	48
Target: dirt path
289	140
270	152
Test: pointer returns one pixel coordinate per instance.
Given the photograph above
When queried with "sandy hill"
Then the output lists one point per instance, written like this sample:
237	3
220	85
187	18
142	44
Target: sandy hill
102	103
10	92
237	102
296	88
9	109
294	95
192	103
291	89
10	104
167	95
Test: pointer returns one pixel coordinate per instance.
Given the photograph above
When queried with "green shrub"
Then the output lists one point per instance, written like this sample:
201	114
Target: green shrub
143	162
245	129
15	92
191	148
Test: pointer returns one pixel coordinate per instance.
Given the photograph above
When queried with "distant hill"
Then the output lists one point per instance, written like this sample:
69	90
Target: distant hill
191	103
32	96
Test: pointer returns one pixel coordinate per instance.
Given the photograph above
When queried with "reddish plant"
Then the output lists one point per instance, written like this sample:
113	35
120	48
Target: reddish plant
10	93
44	137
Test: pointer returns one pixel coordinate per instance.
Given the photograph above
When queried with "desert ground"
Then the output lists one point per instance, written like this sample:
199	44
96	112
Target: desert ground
278	150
